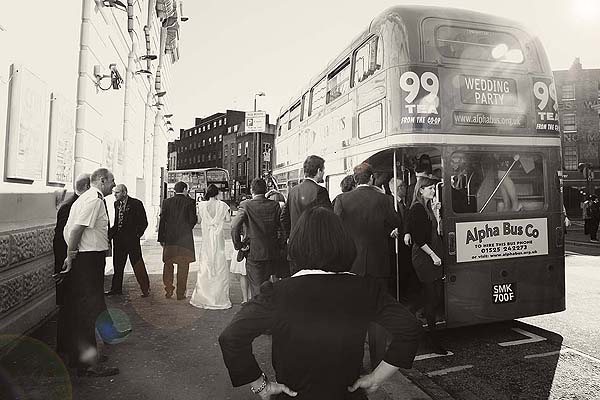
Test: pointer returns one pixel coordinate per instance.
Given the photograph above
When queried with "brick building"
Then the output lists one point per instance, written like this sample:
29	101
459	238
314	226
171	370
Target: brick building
578	92
220	140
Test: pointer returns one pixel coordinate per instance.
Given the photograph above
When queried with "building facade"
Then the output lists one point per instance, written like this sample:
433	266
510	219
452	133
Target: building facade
221	140
578	92
72	106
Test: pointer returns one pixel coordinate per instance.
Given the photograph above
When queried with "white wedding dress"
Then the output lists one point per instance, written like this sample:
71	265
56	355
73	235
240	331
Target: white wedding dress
212	285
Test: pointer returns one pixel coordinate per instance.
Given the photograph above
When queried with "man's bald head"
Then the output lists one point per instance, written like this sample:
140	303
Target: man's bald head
120	191
82	183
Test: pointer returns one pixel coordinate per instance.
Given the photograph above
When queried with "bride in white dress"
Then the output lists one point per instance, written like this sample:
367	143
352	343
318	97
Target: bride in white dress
212	286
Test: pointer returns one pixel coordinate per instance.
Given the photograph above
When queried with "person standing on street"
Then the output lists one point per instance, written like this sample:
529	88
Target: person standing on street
86	234
130	224
307	194
369	217
261	217
212	282
587	215
59	246
594	211
175	234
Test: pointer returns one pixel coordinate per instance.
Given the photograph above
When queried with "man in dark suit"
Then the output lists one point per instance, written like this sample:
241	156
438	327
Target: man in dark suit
261	217
59	246
370	218
175	234
130	224
307	194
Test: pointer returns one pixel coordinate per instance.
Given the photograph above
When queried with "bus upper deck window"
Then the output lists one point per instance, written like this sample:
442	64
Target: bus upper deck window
478	44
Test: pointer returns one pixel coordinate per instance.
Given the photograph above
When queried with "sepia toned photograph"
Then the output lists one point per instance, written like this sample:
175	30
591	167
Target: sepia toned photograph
316	200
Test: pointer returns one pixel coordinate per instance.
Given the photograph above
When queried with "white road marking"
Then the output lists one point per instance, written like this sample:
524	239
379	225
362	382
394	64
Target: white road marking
533	338
540	355
563	351
432	355
448	370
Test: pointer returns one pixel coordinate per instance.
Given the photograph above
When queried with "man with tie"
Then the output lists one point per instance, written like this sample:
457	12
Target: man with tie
130	224
86	234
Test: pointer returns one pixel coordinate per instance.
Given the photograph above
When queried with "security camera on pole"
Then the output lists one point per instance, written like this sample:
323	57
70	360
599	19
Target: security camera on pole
256	123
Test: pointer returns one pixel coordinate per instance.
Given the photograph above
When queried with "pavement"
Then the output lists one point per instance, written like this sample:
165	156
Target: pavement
173	352
576	237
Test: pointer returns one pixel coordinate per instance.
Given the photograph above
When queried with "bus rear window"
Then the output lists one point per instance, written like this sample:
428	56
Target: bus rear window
478	44
484	182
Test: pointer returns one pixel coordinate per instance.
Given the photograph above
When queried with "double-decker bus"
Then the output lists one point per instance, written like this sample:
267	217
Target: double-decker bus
198	180
472	94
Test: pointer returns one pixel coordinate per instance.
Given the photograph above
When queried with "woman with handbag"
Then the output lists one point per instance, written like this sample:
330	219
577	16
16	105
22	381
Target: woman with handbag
426	252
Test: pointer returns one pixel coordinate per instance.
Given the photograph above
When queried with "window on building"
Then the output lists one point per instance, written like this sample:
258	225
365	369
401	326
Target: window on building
232	149
568	92
235	127
239	149
220	122
204	128
229	129
245	148
219	155
569	123
220	138
338	82
214	124
209	141
239	168
283	123
215	140
202	157
208	127
203	142
570	158
224	120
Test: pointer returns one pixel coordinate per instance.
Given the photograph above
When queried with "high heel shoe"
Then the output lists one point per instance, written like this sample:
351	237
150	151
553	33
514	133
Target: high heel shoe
519	208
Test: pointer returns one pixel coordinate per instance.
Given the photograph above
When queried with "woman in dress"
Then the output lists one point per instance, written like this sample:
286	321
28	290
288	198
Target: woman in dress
426	252
212	285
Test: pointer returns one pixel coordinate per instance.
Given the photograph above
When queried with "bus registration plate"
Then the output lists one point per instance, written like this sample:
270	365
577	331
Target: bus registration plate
504	293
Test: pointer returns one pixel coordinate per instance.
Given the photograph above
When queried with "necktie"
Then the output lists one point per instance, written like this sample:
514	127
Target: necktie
121	215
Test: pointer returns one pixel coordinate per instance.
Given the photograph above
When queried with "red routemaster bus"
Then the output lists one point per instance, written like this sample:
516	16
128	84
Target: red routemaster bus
474	94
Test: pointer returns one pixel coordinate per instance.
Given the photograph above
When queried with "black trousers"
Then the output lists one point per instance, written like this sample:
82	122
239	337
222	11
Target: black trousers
85	307
377	335
122	249
182	277
257	273
593	227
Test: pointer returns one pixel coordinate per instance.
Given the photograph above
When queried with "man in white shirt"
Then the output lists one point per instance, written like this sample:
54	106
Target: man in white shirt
86	234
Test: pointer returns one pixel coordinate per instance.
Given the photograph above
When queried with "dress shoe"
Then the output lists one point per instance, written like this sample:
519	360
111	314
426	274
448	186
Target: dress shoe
117	336
112	293
97	371
146	293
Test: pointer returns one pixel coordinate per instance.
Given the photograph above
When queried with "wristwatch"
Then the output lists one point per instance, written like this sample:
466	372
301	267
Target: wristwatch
261	387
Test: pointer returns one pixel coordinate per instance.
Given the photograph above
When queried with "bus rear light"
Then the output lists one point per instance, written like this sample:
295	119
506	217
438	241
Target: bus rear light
452	243
559	236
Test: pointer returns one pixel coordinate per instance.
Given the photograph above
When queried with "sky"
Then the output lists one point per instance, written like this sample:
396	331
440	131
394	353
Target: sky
232	49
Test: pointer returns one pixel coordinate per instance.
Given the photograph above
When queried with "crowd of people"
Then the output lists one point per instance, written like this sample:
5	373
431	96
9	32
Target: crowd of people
319	276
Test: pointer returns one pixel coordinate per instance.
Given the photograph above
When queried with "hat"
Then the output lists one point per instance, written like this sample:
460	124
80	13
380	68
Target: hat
243	253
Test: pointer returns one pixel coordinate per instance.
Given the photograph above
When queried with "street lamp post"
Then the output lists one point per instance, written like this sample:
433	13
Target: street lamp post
257	139
255	95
